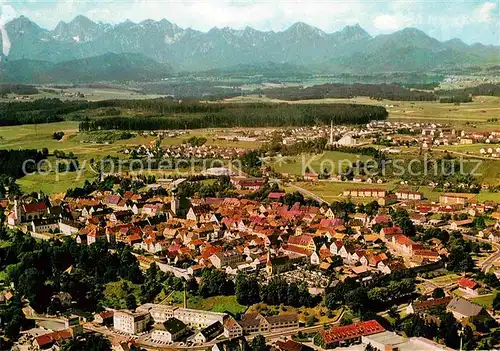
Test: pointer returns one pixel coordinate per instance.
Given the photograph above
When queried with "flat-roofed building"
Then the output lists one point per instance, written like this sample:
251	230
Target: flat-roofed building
130	322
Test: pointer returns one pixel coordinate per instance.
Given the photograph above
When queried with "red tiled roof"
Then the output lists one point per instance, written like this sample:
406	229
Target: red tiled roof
424	252
404	240
296	249
382	219
300	240
392	230
337	334
467	283
35	207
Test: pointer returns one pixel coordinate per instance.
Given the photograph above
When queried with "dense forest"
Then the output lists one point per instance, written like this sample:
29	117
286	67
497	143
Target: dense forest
12	162
165	113
19	89
35	111
455	99
375	91
244	115
483	89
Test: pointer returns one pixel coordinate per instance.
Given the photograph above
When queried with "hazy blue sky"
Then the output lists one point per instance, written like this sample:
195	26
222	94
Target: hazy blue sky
471	21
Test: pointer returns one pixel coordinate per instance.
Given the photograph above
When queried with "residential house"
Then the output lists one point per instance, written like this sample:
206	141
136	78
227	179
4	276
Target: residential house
209	333
226	258
257	323
461	308
422	306
169	331
232	329
468	286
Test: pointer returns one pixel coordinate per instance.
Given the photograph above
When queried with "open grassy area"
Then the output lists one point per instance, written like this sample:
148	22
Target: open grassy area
3	276
92	94
217	304
486	301
333	161
87	146
487	196
115	294
213	303
5	244
84	147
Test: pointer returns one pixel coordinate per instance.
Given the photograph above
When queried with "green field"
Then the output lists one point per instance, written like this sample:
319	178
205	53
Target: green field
40	136
333	161
446	279
485	301
92	94
4	244
213	303
115	295
333	191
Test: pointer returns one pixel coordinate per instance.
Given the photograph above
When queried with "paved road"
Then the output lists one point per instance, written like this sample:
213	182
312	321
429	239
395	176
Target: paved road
492	259
301	190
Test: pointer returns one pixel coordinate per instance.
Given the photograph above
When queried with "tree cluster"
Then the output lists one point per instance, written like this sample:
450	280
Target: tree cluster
12	161
39	269
277	291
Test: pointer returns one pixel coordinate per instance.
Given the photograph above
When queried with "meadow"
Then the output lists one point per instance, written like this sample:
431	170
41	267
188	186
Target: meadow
333	161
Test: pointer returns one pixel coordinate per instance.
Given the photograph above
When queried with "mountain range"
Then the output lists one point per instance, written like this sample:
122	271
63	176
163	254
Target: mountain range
351	50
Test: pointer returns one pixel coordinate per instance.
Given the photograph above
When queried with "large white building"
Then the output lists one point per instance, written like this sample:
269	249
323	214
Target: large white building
131	322
193	318
347	140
